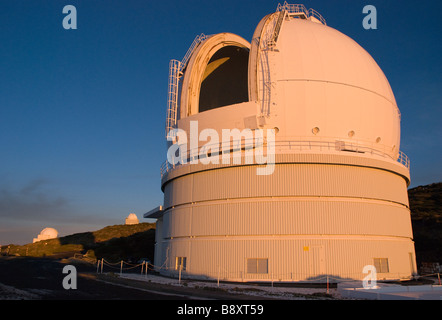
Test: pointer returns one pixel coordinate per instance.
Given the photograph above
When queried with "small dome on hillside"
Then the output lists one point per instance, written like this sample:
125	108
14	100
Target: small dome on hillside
46	234
49	232
132	219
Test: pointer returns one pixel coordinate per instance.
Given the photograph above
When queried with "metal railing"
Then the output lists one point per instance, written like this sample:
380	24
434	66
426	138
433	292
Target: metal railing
281	147
317	15
403	159
198	39
301	9
293	8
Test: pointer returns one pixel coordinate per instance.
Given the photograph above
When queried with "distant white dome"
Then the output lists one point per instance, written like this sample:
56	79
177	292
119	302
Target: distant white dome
50	232
132	219
46	234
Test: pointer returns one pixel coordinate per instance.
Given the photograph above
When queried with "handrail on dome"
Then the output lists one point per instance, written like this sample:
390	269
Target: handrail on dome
403	159
281	146
317	15
301	9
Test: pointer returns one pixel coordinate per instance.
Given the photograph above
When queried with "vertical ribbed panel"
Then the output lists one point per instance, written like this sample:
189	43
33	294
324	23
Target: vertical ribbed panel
289	216
308	220
158	240
291	260
287	180
180	191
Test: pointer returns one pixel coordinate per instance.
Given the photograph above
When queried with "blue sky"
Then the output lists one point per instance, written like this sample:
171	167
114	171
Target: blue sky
82	111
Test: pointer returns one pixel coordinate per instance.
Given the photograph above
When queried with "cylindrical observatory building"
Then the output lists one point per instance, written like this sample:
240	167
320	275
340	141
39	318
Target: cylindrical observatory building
322	113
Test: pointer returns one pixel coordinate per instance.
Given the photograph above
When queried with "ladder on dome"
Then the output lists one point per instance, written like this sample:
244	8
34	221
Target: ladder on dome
172	96
277	28
268	44
176	69
266	86
198	39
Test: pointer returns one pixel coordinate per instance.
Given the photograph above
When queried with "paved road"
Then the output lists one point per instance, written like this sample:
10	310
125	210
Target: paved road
42	278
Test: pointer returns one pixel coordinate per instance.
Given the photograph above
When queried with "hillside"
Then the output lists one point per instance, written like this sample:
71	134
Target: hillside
113	243
125	242
426	218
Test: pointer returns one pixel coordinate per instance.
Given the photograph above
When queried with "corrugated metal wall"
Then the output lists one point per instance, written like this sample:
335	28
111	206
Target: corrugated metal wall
308	259
308	220
287	180
289	217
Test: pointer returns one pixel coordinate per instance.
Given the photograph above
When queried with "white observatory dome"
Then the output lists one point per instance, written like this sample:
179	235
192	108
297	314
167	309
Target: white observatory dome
335	198
49	232
327	87
46	234
132	219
